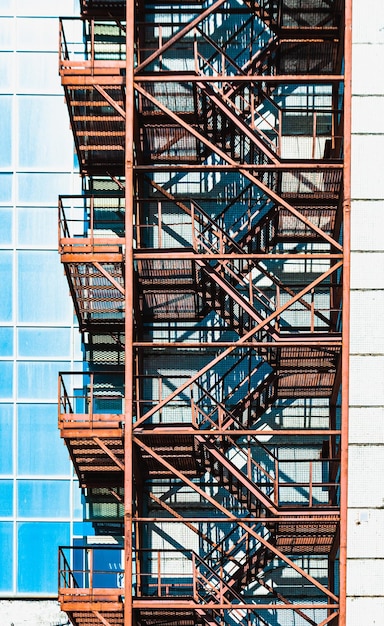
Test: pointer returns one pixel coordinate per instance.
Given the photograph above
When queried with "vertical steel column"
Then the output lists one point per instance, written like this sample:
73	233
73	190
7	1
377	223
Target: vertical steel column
129	188
346	309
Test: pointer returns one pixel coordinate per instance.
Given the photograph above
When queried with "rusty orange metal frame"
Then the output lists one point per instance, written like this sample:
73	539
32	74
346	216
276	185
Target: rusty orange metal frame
129	304
111	275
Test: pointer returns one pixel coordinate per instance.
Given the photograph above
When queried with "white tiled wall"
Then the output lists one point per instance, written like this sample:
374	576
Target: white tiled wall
365	569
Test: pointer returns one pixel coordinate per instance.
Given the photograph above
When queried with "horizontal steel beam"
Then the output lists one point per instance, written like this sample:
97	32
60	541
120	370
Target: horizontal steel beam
224	520
172	603
208	432
313	341
284	166
186	254
248	78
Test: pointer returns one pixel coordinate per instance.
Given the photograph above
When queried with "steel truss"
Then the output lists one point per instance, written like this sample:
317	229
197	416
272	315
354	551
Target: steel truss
205	261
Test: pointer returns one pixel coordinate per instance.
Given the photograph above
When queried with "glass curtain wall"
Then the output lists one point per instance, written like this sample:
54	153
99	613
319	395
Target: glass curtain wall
40	505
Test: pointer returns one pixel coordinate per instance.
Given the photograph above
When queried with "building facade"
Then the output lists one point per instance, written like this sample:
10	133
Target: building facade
205	263
40	500
208	427
365	530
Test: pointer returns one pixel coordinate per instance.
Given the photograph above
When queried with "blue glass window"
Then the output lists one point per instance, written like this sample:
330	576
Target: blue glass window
5	188
6	340
78	505
6	270
43	188
6	556
6	498
42	123
43	498
38	544
5	226
38	380
6	29
6	421
41	342
6	379
37	73
41	273
6	131
37	433
37	227
6	72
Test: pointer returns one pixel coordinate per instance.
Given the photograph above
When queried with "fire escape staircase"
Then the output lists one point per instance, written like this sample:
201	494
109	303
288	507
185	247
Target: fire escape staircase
231	571
207	412
226	285
227	474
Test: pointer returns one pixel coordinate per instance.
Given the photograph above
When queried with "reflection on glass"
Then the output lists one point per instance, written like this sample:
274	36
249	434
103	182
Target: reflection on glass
40	134
37	433
6	498
37	227
6	556
5	226
6	270
6	426
43	498
41	273
37	543
6	379
44	342
5	131
38	380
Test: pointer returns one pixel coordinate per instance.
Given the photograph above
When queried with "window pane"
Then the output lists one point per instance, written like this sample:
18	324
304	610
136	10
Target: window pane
6	72
6	556
38	380
6	270
38	544
43	188
6	379
41	273
6	188
37	227
6	421
6	340
37	433
6	131
6	498
41	342
36	34
6	31
5	226
45	7
43	498
44	122
78	510
37	73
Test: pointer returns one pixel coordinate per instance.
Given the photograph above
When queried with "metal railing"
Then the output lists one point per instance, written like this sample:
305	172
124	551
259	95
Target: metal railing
91	223
91	572
91	399
96	572
89	47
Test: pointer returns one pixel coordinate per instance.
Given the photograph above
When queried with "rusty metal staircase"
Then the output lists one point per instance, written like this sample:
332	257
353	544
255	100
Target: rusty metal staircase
229	287
224	453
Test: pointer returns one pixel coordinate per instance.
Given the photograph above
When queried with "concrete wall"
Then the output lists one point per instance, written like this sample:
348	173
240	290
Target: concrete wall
31	613
365	570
